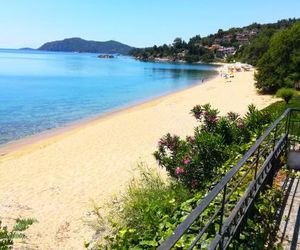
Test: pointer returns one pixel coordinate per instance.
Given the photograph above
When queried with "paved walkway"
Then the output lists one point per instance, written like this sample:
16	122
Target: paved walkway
290	222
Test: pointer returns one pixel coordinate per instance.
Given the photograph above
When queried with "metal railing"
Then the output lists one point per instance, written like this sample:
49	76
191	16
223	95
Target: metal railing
221	213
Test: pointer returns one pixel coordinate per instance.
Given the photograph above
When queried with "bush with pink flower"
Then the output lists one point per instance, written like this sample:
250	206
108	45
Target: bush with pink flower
195	160
192	162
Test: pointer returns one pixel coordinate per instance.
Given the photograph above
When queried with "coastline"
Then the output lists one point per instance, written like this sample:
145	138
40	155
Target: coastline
57	179
31	142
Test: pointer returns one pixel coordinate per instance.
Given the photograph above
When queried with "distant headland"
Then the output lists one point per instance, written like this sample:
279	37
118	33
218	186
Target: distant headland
80	45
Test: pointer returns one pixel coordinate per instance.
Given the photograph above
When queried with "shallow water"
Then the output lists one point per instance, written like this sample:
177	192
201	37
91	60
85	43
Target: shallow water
44	90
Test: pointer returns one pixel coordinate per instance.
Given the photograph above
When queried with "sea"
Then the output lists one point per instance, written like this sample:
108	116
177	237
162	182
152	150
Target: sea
40	91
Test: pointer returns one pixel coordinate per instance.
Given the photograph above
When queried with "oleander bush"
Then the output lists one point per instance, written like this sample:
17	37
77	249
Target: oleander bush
195	161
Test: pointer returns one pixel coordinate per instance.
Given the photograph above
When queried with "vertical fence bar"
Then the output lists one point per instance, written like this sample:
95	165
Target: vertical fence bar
222	215
298	133
257	161
287	129
291	132
287	122
275	136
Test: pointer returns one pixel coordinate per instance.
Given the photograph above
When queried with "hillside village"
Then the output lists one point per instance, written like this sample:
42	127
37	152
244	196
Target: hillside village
238	38
214	47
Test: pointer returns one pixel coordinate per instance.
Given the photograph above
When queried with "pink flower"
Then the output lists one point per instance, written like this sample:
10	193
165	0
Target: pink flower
161	143
179	170
240	125
186	161
190	138
214	119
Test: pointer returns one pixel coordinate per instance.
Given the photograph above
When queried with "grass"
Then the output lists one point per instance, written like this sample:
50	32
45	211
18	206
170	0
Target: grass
138	214
277	108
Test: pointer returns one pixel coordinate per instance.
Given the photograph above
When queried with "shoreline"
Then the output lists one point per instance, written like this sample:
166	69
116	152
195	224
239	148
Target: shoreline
58	180
16	147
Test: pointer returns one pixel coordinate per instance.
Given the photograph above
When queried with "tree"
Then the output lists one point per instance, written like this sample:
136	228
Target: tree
179	43
280	65
220	33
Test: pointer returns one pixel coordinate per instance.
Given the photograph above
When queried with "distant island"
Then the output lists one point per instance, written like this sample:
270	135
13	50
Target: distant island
26	48
81	45
106	56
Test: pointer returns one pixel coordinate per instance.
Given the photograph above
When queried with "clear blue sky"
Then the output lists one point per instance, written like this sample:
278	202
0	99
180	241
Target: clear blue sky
30	23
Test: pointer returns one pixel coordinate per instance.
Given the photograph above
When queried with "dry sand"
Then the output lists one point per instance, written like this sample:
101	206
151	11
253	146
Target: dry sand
55	179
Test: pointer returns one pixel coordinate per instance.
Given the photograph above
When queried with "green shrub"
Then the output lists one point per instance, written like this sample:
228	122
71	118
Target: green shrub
194	161
257	121
286	94
7	237
138	217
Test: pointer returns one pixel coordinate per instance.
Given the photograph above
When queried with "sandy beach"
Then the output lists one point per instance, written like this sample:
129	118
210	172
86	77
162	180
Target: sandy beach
54	179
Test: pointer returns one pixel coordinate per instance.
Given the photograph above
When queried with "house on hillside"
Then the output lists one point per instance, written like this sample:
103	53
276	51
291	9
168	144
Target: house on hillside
227	38
217	40
242	38
215	47
225	51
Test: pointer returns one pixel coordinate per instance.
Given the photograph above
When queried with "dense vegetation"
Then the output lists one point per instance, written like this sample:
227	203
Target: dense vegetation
152	207
279	66
81	45
179	50
200	48
253	51
258	46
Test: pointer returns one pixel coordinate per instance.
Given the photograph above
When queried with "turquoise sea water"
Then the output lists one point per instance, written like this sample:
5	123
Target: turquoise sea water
44	90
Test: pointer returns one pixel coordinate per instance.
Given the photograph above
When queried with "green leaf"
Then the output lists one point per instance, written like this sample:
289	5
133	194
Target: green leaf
151	243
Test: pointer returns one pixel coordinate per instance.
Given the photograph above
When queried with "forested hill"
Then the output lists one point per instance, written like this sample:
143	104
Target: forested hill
219	46
81	45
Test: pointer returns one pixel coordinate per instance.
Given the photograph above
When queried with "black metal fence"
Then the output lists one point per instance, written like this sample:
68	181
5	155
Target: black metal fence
294	129
221	213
